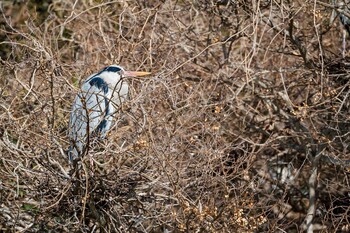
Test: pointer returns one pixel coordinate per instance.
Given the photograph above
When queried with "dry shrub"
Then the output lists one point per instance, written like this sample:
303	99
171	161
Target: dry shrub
243	126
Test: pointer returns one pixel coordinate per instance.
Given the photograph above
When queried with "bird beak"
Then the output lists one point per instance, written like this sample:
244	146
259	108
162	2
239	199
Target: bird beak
135	73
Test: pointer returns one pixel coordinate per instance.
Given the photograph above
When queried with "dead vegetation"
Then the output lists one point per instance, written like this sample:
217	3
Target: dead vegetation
243	127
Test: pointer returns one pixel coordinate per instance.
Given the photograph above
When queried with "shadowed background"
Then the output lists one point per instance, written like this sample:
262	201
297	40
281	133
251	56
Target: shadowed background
245	113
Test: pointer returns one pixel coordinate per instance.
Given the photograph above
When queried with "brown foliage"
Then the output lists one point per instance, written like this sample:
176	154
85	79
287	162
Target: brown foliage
245	116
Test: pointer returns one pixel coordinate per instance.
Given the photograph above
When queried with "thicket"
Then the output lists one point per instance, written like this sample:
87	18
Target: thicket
243	125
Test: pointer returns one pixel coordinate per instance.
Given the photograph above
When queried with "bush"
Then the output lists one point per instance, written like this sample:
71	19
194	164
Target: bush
243	126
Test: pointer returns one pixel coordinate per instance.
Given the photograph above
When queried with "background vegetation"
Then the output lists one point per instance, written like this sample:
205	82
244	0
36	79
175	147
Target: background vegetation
243	126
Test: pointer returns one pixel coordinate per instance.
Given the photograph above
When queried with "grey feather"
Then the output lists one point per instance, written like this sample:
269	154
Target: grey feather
94	108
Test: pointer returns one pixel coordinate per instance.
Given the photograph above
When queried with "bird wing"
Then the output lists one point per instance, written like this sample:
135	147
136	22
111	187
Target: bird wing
92	113
345	21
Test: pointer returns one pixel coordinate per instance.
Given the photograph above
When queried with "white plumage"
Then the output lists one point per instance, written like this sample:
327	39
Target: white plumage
95	105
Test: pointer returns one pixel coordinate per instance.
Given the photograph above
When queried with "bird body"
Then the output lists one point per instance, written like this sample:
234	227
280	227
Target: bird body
95	105
345	21
344	5
343	18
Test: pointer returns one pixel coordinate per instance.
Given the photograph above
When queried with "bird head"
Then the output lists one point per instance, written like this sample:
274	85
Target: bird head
113	74
124	73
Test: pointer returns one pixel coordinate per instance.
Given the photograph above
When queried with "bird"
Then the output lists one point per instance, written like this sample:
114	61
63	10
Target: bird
95	106
345	20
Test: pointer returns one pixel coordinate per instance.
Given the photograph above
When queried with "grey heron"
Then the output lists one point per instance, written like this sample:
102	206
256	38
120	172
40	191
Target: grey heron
345	6
95	105
345	21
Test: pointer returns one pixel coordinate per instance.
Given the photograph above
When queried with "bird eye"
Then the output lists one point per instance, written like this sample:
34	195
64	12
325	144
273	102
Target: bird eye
121	73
